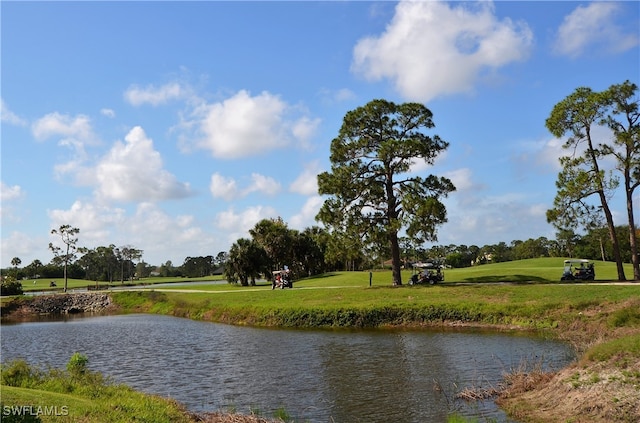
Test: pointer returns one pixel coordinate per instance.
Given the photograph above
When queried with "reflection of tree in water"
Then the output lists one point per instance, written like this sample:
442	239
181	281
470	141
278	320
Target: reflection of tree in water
385	377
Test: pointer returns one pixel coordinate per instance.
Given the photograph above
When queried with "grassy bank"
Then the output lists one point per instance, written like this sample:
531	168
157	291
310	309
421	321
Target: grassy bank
31	394
560	308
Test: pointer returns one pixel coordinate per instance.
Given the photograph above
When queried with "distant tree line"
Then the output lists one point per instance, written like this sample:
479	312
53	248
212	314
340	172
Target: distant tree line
314	251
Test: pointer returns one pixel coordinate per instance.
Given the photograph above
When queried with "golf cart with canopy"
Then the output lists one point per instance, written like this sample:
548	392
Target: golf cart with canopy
430	273
578	269
282	279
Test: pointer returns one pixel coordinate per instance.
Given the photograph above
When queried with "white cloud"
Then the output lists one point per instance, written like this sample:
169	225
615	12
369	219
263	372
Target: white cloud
227	188
9	211
133	171
7	116
8	193
463	180
433	48
222	187
237	225
337	96
161	235
307	182
95	222
307	216
24	246
593	26
149	228
490	219
263	184
243	125
110	113
74	130
155	96
304	128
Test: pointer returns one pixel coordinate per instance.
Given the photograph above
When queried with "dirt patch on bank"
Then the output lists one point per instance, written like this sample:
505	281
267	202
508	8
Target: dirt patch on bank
597	392
590	390
234	418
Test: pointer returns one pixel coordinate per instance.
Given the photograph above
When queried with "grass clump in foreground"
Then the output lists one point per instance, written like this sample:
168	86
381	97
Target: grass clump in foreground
77	394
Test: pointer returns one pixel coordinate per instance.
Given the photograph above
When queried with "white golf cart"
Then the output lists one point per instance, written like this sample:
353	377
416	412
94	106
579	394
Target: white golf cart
430	273
578	269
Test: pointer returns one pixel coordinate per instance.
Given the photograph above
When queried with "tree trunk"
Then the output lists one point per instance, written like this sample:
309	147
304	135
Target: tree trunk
614	237
395	259
633	241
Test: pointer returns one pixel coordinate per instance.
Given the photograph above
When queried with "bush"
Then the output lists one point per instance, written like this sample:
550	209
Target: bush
11	287
19	373
77	365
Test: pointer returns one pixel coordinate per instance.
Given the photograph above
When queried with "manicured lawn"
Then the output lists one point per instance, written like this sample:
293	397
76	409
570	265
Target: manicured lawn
542	270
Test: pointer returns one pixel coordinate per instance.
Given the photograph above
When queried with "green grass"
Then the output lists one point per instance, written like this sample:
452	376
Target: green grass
342	299
43	284
56	395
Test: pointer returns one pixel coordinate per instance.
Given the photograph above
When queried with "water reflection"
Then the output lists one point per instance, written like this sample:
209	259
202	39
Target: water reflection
316	376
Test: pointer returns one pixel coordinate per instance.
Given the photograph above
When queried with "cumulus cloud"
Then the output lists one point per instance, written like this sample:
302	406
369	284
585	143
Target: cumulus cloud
148	228
245	125
73	130
160	234
307	215
227	188
237	225
263	184
7	116
155	96
489	219
133	171
8	193
463	180
307	182
94	221
433	48
20	244
593	26
222	187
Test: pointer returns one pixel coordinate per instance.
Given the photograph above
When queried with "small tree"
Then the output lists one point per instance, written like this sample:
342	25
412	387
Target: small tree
247	261
69	239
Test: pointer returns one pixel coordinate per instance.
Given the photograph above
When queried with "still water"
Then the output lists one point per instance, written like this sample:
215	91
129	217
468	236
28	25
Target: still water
315	376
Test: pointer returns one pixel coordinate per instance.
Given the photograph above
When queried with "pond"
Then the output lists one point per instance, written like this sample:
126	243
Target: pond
313	375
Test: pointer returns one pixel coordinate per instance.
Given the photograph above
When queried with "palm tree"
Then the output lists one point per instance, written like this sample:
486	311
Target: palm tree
15	262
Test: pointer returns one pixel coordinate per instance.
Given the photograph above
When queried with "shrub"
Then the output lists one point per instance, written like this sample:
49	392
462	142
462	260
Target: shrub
19	373
77	365
11	287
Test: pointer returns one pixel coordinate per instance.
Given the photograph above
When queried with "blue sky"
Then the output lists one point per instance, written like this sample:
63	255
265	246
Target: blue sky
174	127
